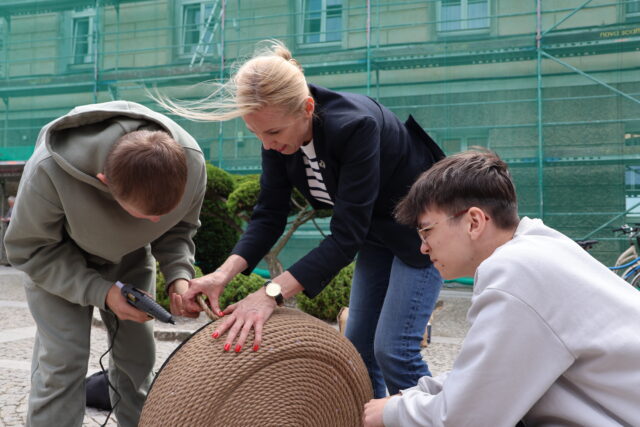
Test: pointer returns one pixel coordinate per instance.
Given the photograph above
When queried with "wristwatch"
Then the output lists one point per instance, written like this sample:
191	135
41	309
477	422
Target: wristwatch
274	290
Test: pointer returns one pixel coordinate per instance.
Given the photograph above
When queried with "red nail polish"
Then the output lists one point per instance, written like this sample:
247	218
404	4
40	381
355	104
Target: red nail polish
238	348
221	314
256	347
227	347
215	334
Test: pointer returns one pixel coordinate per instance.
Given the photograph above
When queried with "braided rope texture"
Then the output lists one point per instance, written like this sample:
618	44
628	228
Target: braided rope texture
305	374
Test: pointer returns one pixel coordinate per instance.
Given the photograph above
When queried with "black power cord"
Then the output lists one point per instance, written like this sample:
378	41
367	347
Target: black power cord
104	372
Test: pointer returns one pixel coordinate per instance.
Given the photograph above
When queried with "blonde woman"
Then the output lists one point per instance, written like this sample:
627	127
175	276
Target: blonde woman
342	151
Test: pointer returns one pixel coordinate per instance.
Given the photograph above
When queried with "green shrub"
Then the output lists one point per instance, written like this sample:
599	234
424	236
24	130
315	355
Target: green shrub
216	236
240	287
219	181
219	229
161	296
239	179
245	196
327	303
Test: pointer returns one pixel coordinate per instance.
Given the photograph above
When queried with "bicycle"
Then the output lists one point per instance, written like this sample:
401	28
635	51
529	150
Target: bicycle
627	264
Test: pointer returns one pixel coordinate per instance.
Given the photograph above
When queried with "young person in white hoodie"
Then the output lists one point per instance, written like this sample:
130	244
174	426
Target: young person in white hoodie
555	335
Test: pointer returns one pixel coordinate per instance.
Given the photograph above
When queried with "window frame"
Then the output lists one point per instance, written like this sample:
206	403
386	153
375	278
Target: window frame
89	57
630	16
182	6
323	26
466	139
464	20
4	38
631	190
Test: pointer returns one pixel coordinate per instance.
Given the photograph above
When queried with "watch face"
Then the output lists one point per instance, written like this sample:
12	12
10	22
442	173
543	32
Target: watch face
273	289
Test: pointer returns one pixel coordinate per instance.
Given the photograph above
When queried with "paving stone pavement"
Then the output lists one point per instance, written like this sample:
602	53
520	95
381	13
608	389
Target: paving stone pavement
17	332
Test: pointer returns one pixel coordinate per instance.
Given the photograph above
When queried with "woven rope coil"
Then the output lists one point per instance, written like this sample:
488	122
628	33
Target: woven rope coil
305	374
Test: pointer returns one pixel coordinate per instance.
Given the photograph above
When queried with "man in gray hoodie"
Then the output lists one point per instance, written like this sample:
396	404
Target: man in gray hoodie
109	189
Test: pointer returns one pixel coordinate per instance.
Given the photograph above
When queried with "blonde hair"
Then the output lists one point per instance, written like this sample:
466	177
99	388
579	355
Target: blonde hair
270	78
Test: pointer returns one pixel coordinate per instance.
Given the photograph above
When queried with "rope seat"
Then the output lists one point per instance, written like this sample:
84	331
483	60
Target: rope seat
304	374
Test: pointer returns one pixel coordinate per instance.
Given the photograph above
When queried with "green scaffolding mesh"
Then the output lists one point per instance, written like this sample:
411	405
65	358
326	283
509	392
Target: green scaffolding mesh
553	87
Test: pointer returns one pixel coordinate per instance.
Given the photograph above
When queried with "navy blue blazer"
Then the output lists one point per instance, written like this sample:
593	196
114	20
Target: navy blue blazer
370	160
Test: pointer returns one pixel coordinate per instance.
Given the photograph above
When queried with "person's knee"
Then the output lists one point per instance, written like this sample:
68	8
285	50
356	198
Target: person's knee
396	355
387	356
134	354
55	374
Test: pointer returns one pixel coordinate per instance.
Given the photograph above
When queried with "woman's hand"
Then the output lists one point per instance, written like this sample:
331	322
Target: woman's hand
212	285
251	312
176	290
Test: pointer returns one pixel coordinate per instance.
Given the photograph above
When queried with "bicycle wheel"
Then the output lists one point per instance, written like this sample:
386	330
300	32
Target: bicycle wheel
630	272
635	282
628	255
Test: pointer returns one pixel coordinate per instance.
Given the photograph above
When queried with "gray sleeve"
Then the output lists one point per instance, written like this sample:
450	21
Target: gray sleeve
37	244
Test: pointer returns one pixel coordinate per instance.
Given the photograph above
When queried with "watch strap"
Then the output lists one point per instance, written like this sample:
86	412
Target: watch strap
279	298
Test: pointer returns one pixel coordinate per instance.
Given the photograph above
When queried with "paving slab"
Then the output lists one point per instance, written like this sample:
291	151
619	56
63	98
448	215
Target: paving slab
17	332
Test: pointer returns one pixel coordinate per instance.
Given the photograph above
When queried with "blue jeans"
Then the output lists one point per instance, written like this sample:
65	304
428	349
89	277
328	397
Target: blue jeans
389	308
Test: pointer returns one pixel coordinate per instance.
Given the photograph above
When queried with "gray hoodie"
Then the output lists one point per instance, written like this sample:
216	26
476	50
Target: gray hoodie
65	220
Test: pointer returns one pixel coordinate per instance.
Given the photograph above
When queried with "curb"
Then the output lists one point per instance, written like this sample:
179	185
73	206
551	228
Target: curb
160	331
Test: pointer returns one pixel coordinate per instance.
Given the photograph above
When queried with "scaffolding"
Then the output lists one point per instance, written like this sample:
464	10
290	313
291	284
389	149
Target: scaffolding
553	87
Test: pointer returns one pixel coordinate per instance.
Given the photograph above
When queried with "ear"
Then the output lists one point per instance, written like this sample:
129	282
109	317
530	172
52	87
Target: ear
103	179
309	107
478	222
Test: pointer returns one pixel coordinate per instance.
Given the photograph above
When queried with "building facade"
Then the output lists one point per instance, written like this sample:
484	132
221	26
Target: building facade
553	87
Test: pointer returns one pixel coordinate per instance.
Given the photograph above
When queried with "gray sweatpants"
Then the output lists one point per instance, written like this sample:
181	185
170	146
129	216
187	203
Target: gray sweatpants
61	351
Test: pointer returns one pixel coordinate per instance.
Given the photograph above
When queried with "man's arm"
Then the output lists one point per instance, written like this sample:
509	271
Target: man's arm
508	360
37	244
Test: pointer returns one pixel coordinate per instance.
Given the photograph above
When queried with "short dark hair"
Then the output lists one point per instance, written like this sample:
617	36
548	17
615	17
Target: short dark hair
147	169
472	178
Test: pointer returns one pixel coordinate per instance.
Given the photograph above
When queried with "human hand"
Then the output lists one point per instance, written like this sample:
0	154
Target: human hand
251	312
117	303
212	285
373	410
176	290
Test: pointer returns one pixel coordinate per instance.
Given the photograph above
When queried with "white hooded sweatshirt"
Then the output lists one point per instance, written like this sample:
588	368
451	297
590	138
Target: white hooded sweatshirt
554	341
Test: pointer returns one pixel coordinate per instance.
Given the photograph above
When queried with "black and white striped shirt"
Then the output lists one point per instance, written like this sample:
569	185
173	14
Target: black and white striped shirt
314	177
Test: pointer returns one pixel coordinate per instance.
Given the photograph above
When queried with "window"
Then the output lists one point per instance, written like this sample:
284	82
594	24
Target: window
451	144
82	36
194	27
463	15
632	138
2	34
632	9
321	21
632	187
3	52
632	178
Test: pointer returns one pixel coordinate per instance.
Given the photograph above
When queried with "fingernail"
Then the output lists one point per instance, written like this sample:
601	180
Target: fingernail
215	334
238	348
256	347
227	347
220	314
